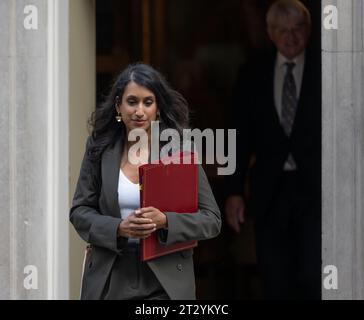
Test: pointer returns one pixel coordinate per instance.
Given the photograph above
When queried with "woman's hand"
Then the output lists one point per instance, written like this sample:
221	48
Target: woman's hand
135	226
158	217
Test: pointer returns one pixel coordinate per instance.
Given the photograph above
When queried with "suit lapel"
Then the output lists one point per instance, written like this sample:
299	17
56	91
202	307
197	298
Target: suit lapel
304	94
276	124
110	170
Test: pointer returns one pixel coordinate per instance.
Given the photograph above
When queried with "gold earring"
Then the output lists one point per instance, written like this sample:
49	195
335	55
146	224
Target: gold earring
157	117
118	117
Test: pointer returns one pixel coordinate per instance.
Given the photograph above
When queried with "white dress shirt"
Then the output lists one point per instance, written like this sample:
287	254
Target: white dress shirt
279	74
128	197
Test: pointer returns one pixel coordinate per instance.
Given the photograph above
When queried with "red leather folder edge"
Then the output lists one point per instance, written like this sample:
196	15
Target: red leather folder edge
151	247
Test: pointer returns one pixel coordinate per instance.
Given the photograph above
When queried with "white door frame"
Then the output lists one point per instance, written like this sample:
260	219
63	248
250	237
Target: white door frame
58	149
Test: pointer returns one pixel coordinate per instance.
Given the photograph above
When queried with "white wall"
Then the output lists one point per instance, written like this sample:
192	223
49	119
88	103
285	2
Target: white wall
343	149
34	149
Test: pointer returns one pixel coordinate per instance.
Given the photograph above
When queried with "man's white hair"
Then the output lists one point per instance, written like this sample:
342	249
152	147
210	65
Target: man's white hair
285	8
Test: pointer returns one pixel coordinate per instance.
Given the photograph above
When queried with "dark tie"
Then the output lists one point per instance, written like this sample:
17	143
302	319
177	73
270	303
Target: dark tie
289	106
289	99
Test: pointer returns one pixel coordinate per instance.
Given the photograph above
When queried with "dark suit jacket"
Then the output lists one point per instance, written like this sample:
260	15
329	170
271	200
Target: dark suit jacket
259	132
95	214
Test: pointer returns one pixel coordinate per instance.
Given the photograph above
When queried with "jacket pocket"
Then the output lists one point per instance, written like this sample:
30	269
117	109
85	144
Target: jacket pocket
186	253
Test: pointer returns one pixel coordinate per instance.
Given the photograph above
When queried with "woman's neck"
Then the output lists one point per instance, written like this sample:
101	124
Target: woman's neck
136	155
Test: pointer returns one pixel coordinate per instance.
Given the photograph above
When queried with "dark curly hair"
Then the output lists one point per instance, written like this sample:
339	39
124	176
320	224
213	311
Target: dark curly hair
172	106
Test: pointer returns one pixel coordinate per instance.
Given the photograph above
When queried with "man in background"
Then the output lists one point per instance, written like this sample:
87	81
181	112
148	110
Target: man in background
277	114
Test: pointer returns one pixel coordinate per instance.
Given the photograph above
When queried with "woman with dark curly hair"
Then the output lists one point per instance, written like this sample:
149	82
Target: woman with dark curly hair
105	210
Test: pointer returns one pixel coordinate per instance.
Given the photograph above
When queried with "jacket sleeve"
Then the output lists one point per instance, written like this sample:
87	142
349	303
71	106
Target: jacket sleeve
92	225
204	224
241	118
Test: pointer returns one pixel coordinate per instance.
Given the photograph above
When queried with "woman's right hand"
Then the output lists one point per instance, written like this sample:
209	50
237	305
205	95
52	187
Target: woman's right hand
136	227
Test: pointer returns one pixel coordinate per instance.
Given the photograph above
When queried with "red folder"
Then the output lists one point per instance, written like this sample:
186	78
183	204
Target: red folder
169	188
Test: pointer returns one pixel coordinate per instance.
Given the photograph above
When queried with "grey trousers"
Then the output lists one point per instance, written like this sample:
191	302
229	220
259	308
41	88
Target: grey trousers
132	279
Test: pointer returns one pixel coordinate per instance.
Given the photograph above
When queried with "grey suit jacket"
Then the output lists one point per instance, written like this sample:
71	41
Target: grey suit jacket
95	214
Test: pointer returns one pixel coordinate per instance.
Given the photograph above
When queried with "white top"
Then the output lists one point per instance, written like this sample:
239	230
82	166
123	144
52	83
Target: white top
279	74
128	196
